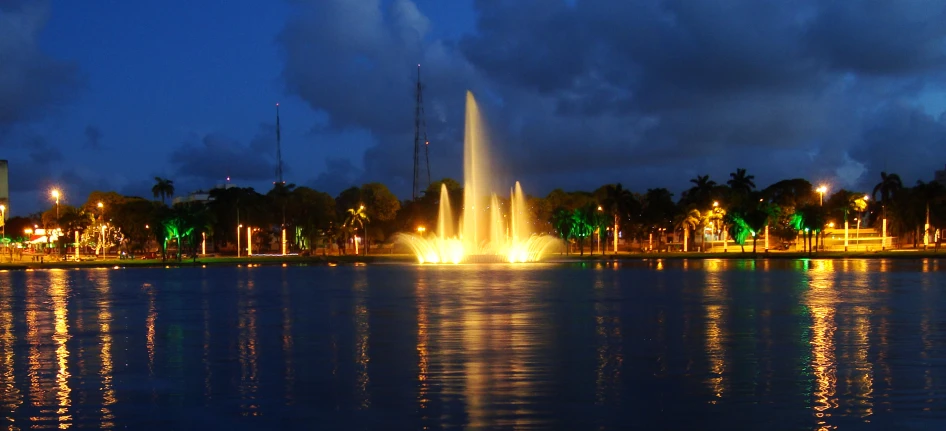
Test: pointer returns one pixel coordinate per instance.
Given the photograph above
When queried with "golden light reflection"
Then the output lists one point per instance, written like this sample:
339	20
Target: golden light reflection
150	320
59	293
9	393
105	354
821	302
37	392
361	339
862	379
249	354
423	354
715	332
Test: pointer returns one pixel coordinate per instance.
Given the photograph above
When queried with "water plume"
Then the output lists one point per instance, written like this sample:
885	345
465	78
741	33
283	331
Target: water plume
488	231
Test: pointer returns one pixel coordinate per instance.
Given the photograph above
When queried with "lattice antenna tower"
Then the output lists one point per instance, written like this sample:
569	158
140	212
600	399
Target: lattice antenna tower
420	140
278	149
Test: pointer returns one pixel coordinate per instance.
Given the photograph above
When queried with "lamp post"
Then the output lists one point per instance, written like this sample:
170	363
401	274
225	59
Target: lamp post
821	191
101	208
857	233
3	220
598	230
55	195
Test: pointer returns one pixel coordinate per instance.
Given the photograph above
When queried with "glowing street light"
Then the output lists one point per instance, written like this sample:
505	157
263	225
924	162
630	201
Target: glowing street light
3	220
55	194
821	191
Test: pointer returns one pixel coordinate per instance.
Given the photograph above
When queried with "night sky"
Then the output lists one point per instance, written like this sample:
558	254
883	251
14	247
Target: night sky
109	94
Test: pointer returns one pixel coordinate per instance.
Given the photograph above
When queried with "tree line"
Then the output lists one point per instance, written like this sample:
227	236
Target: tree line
792	209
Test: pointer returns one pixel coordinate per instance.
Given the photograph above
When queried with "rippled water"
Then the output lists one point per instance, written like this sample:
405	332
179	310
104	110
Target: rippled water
649	344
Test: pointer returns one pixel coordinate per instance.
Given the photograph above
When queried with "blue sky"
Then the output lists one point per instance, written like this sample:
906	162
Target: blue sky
109	94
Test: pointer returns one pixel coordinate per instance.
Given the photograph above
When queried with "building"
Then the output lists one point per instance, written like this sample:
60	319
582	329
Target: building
5	188
940	177
201	195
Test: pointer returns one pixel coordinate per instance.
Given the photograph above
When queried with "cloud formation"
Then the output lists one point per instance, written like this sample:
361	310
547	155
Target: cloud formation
647	93
214	157
31	82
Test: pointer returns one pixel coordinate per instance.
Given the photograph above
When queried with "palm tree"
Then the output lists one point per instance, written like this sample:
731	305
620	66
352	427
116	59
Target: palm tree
619	202
687	221
740	182
163	187
358	216
888	187
701	193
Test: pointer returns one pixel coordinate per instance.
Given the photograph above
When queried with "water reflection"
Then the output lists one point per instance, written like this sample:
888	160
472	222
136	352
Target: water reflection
423	353
807	344
105	354
360	288
287	345
821	298
609	340
59	293
715	332
10	397
248	350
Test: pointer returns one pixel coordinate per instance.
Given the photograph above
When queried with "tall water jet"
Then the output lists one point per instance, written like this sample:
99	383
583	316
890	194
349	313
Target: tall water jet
487	232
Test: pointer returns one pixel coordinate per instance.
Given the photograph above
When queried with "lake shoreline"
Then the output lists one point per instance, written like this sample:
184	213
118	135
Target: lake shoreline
410	259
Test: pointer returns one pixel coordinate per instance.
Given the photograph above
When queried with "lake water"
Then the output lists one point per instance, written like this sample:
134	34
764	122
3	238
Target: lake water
716	344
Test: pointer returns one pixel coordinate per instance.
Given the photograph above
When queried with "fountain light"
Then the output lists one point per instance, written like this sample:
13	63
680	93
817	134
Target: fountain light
490	234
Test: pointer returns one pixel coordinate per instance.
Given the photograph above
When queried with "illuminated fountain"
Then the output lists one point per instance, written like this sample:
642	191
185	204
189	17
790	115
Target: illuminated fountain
487	232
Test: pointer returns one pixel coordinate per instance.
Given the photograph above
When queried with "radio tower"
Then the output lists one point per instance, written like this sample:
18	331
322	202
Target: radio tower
420	139
278	150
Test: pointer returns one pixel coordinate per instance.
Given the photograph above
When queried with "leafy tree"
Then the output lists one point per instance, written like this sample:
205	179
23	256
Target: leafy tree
313	213
562	220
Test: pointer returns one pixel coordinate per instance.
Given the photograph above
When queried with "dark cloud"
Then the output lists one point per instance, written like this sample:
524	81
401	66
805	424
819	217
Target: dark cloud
879	37
215	157
41	153
31	82
339	174
93	138
599	91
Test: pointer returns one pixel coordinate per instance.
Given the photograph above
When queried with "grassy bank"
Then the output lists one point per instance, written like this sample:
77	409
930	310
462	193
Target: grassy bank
410	259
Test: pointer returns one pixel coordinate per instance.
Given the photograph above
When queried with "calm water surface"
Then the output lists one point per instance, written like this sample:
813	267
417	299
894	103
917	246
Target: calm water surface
808	344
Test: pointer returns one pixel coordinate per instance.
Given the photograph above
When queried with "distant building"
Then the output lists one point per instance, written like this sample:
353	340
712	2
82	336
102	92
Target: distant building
201	195
940	177
5	188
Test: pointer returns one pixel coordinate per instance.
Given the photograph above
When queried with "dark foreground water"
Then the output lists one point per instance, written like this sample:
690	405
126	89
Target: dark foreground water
646	345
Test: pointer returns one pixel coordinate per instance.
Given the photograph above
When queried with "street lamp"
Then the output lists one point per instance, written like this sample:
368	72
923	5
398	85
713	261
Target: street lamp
55	195
3	220
821	191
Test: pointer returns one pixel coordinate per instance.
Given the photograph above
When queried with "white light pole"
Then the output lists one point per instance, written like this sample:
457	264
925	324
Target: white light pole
766	237
857	234
238	238
249	241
